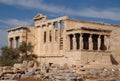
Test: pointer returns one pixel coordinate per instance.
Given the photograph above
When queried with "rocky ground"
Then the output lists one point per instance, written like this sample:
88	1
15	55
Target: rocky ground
54	72
32	79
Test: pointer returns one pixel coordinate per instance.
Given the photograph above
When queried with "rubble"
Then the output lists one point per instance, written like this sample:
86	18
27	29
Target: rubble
28	71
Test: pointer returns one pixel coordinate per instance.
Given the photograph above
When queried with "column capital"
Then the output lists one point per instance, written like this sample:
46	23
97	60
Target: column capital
81	34
59	21
47	24
99	35
52	23
91	35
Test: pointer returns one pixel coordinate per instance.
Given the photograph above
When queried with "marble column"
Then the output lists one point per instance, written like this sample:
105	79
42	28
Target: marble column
47	38
90	42
15	42
59	28
59	34
53	33
74	42
10	42
81	42
53	36
99	42
47	34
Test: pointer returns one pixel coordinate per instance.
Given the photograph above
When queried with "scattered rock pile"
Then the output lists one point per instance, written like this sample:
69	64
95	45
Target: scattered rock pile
28	71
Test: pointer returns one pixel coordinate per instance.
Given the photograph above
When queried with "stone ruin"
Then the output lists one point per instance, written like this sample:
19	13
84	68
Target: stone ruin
55	72
67	49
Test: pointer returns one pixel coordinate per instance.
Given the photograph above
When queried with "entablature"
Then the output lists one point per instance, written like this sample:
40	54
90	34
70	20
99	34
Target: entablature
89	30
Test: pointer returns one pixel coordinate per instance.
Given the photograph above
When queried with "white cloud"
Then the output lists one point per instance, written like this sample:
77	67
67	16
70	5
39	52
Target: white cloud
86	12
16	22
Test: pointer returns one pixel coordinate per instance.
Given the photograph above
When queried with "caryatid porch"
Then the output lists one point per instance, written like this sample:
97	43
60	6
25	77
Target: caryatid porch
88	41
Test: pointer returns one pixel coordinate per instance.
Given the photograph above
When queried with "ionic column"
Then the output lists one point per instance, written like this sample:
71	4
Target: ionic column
15	42
74	42
81	42
21	40
59	34
9	42
59	28
99	42
47	34
53	33
53	37
107	42
90	43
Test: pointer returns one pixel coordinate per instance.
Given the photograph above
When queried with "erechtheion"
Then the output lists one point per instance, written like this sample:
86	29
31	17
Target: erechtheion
68	41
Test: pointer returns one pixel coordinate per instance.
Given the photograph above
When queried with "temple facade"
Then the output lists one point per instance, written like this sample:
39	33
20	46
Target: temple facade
68	41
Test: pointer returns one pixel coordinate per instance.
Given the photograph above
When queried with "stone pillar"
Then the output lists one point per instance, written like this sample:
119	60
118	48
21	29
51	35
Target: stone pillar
74	42
47	38
53	33
90	42
59	35
81	42
99	42
15	42
10	42
53	37
20	40
107	42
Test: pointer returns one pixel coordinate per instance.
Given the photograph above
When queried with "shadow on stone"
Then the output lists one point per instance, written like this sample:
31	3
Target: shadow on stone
113	61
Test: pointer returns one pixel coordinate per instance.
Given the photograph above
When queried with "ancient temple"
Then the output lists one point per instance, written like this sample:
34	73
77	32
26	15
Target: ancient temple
68	41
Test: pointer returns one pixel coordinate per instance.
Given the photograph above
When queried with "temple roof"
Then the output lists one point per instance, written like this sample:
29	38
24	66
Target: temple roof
16	28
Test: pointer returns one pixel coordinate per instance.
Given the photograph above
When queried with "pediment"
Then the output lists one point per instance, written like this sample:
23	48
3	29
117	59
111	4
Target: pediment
39	16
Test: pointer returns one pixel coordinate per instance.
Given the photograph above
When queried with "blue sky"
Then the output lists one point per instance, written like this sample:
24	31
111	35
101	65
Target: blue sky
20	12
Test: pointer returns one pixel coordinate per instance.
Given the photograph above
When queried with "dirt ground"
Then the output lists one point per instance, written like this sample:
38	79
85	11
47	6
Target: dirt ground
32	79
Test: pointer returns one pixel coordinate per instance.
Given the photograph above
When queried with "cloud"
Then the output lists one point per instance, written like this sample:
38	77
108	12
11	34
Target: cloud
86	12
16	22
